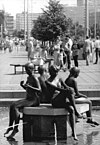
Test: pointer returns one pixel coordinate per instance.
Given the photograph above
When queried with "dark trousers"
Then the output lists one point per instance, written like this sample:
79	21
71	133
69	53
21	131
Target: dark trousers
68	59
97	55
75	58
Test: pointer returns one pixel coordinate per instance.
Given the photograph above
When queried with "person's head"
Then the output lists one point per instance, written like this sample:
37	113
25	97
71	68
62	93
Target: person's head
29	68
41	70
74	71
53	71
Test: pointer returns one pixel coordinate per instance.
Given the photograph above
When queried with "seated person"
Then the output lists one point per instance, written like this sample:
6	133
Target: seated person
71	82
62	96
32	88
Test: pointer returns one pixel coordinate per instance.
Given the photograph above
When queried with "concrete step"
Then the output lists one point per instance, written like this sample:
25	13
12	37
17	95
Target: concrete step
5	102
22	94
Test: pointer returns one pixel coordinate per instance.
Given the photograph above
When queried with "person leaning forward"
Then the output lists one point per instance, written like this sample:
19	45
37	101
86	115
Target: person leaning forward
62	96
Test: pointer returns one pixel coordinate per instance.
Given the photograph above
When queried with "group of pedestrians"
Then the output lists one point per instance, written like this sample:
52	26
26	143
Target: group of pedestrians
10	44
91	50
49	89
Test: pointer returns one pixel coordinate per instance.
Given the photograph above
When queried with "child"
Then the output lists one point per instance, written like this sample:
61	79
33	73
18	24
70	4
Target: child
62	96
71	82
32	88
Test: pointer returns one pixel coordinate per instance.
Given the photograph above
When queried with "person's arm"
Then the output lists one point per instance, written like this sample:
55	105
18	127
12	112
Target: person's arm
66	87
23	85
33	88
38	89
56	88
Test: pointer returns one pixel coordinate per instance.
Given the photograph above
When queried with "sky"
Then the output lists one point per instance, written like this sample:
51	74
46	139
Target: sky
17	6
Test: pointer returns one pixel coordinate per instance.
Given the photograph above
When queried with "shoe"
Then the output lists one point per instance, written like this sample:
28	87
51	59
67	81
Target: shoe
7	131
13	133
95	63
92	122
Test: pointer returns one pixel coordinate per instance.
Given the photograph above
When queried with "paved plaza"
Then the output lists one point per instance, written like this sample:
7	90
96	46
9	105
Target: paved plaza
89	78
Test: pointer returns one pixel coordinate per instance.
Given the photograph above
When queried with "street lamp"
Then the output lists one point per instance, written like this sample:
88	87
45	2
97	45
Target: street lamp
27	23
24	22
87	17
95	18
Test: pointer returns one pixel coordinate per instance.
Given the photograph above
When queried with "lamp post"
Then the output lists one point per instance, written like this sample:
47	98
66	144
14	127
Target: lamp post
24	22
27	23
86	17
95	18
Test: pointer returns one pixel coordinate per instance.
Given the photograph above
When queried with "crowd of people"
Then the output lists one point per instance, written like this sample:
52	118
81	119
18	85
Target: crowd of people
63	50
10	44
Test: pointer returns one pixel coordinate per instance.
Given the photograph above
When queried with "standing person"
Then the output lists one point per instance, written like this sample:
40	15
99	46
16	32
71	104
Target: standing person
57	51
68	46
32	88
42	78
93	49
61	57
71	82
30	49
75	52
16	43
97	48
62	96
44	55
87	49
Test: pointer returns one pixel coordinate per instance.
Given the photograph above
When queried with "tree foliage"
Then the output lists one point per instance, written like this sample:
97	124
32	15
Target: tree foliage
19	34
51	23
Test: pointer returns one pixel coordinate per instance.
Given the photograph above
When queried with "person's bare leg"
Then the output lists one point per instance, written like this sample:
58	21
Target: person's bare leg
72	102
72	122
17	119
11	119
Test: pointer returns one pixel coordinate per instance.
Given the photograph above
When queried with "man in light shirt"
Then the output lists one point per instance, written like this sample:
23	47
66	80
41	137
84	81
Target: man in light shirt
67	49
97	48
87	49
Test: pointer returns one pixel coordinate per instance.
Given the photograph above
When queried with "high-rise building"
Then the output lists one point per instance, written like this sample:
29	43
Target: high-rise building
22	19
76	13
6	23
80	2
9	20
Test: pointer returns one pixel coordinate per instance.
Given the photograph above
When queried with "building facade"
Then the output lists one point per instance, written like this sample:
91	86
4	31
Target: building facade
6	23
25	21
76	13
9	22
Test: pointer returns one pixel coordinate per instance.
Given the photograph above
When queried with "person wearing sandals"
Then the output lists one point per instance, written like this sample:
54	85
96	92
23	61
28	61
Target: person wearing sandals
79	97
32	87
62	96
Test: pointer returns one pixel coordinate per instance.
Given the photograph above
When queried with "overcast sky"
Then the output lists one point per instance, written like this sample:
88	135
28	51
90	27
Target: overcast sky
17	6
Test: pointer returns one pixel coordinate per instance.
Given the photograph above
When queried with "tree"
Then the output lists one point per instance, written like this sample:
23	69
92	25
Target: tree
51	23
19	34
